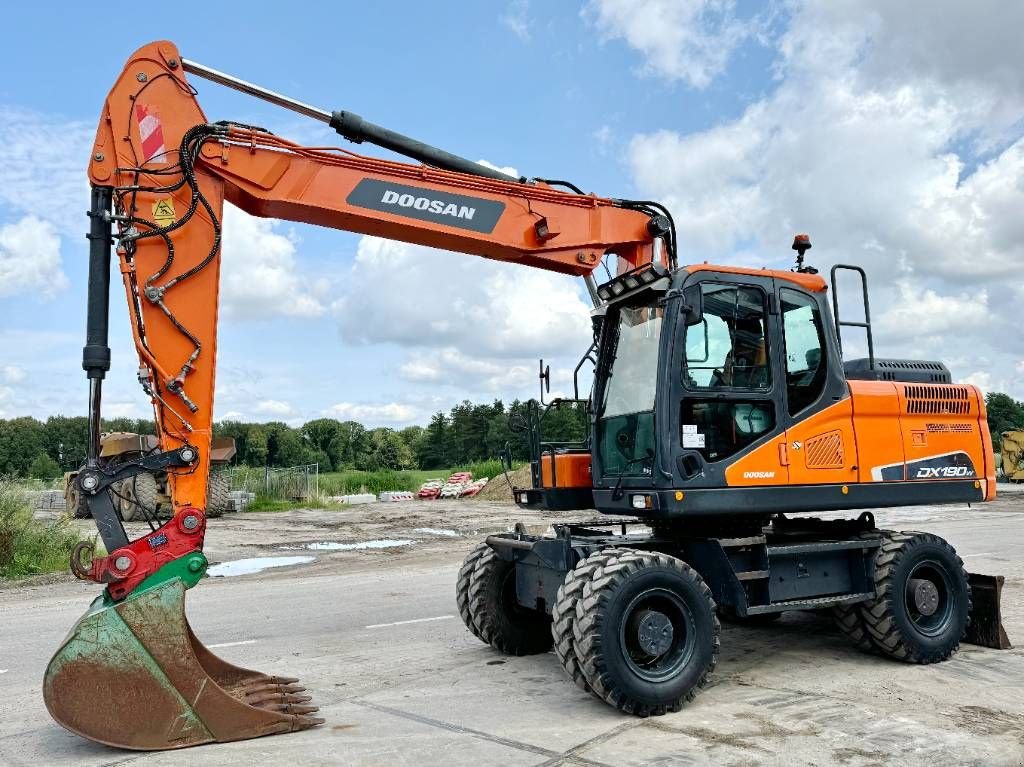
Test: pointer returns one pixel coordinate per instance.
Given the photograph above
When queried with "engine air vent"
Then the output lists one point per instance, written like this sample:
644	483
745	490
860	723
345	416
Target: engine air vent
936	400
904	371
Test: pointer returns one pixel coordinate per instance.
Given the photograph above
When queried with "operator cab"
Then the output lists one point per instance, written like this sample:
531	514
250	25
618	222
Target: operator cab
719	362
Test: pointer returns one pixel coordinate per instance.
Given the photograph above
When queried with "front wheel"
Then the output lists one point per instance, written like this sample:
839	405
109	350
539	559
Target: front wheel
646	634
922	601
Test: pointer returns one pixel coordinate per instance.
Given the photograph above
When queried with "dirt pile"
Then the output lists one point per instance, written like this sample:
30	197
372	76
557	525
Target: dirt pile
498	490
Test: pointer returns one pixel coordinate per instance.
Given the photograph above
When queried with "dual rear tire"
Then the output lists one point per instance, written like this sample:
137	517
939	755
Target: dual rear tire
921	605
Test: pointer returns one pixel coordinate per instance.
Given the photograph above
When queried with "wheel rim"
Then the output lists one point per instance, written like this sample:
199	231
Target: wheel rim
928	598
657	634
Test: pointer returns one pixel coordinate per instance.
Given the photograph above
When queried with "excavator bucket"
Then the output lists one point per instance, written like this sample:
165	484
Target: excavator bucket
133	675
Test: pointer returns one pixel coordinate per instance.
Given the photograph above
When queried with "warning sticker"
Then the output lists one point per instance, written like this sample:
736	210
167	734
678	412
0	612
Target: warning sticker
693	440
163	212
692	437
151	133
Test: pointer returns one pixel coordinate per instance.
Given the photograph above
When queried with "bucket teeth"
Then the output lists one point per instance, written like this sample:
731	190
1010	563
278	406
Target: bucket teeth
258	688
276	697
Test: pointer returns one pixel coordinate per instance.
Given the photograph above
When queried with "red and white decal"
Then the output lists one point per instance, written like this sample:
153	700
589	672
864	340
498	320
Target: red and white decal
151	132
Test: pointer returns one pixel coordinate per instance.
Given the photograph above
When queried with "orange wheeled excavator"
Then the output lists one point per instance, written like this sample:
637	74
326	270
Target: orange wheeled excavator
721	406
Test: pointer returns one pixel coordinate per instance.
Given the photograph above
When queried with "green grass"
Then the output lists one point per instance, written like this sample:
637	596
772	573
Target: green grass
29	546
263	503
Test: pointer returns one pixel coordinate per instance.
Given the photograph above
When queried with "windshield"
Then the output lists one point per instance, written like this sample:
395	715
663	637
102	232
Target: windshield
626	428
634	369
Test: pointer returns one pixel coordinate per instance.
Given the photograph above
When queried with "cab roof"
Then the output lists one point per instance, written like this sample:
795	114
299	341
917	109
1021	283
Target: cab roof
812	282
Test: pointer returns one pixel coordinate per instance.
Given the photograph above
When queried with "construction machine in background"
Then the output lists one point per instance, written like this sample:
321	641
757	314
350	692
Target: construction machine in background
722	412
148	494
1012	455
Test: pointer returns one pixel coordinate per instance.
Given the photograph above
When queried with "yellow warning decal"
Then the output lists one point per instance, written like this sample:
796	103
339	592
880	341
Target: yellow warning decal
163	212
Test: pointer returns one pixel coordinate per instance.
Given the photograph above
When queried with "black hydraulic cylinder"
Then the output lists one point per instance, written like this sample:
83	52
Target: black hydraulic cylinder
355	128
96	354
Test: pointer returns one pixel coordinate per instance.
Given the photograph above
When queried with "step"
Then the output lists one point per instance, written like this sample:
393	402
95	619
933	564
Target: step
735	543
753	575
810	604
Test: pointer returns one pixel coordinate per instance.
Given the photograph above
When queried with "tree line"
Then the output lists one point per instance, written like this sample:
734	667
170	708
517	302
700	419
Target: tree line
468	433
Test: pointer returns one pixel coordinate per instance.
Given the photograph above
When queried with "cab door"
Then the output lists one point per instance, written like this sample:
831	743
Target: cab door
727	422
820	445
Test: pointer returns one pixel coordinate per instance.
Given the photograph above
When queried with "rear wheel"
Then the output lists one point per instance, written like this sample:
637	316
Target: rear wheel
218	487
74	500
138	497
646	634
496	616
922	600
850	622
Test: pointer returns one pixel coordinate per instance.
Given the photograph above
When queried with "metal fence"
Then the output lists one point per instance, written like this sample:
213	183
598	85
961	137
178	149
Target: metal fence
295	483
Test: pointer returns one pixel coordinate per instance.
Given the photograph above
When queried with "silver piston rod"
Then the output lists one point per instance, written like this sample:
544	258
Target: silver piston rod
353	127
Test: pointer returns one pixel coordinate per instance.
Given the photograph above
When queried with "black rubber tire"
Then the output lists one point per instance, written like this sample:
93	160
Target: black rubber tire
887	617
849	621
492	608
620	577
218	485
563	618
462	586
135	492
74	501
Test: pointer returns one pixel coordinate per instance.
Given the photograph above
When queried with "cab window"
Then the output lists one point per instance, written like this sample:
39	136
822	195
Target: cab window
728	349
805	349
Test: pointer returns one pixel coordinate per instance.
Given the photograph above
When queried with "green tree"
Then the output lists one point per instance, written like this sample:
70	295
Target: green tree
44	467
21	440
1004	414
434	448
256	449
67	440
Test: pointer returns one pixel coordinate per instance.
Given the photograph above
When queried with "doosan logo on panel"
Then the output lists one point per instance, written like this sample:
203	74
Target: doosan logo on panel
425	203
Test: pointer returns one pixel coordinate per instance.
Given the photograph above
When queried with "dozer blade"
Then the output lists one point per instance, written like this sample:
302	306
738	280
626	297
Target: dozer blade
133	675
986	626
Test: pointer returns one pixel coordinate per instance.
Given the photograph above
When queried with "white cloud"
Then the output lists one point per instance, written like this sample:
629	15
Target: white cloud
449	365
30	259
12	374
420	297
125	409
688	40
259	272
890	156
43	160
516	19
274	407
374	414
508	170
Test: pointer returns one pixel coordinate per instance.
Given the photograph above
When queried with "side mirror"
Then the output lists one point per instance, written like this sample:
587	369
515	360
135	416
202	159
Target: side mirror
693	305
545	377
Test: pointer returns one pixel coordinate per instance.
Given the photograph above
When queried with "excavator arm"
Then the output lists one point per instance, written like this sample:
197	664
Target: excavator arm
160	173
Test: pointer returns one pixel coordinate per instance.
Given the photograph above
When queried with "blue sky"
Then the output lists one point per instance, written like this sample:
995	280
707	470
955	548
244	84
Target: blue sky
753	121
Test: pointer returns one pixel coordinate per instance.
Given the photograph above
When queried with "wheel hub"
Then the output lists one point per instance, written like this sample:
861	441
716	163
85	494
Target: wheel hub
925	596
654	633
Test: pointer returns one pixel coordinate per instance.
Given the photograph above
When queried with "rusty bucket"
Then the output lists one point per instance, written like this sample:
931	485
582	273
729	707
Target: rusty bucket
133	675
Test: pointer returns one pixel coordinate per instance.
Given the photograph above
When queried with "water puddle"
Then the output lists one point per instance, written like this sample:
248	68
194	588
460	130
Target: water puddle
436	531
383	543
254	565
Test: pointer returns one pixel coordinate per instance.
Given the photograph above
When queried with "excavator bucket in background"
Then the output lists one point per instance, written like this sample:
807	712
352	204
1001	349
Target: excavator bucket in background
133	675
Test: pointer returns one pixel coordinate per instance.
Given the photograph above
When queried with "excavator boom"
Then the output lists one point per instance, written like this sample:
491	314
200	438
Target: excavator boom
160	173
